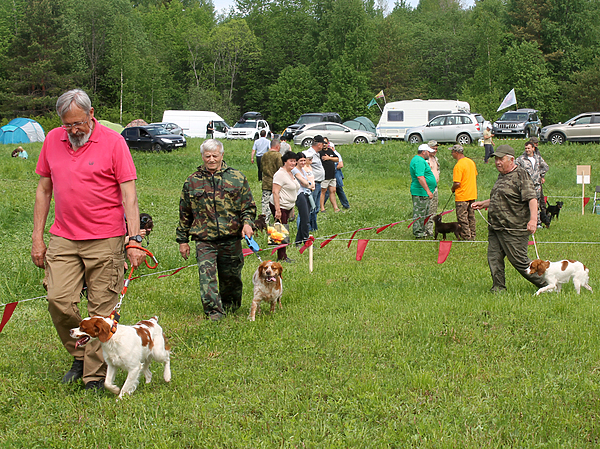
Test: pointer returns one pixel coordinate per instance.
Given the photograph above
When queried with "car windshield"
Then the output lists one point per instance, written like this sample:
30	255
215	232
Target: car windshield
155	130
308	119
246	124
514	116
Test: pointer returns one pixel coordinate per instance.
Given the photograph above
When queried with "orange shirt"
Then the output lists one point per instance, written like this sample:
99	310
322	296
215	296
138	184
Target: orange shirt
465	172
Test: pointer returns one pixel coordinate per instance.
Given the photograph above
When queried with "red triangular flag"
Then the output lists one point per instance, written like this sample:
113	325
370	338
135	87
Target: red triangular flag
447	212
444	250
171	274
531	242
8	311
361	245
585	201
427	219
325	242
277	247
307	244
386	226
545	199
247	251
412	223
354	233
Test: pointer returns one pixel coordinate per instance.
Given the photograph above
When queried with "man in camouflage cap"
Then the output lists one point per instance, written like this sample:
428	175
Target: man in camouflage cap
216	210
512	216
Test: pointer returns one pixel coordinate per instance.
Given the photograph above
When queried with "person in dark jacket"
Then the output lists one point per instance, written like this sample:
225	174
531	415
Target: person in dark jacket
216	210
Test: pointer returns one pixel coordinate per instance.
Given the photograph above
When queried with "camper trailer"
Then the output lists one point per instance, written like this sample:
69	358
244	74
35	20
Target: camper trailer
398	116
194	122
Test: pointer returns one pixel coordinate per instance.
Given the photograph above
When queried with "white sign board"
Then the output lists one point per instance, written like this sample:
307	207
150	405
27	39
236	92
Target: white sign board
583	174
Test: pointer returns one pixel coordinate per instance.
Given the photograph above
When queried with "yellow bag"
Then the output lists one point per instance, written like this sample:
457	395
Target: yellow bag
279	234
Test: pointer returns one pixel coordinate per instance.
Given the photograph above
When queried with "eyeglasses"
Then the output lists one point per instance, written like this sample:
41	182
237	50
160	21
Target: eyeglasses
75	125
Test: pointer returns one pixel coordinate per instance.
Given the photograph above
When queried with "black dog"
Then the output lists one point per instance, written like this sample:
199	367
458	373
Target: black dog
553	211
445	228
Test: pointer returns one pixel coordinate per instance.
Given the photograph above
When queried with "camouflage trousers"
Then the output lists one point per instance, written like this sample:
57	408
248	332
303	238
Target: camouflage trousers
465	215
501	244
225	259
421	209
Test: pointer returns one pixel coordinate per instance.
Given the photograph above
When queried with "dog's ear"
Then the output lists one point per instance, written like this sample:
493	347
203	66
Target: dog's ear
102	330
541	267
278	267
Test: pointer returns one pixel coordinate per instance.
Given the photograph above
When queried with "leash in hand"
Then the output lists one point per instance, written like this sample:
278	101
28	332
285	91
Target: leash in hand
253	246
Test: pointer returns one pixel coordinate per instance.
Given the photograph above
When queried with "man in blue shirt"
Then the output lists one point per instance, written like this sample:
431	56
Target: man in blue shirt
260	147
421	188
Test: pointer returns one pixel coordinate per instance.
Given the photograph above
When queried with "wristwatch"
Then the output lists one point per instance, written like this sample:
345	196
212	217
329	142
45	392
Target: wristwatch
137	238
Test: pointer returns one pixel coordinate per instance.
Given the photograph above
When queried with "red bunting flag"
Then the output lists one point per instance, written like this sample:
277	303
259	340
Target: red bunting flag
307	244
277	247
247	251
361	245
8	311
585	201
412	223
444	250
354	233
174	272
325	242
383	228
447	212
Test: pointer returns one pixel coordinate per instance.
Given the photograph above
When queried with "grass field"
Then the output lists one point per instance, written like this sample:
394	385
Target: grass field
392	351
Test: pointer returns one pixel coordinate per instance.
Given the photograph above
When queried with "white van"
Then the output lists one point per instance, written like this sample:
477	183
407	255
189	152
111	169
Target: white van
398	116
194	122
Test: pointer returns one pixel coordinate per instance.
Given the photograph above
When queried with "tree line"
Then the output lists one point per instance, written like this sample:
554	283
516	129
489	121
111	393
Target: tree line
283	58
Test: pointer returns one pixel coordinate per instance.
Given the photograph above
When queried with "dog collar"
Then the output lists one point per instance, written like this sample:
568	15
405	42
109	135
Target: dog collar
115	317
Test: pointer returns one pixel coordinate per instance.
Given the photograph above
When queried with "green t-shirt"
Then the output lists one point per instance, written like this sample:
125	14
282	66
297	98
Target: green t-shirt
420	167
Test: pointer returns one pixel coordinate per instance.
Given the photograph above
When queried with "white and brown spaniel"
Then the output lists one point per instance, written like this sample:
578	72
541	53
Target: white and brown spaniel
131	348
561	272
267	286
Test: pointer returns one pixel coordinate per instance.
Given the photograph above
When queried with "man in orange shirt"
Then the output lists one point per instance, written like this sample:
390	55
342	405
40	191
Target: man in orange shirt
464	177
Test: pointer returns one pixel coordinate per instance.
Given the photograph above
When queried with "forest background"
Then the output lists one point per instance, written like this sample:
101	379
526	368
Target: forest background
283	58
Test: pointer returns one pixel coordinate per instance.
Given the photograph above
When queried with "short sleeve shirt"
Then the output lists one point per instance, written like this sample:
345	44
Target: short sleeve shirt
465	172
420	167
86	183
269	164
328	166
289	189
509	202
261	146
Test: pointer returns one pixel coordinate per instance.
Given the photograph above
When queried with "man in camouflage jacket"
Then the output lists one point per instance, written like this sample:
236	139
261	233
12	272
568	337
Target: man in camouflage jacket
512	217
216	210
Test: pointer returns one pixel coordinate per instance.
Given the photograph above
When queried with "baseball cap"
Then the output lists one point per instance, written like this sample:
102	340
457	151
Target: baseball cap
432	143
534	139
503	150
458	148
425	147
318	139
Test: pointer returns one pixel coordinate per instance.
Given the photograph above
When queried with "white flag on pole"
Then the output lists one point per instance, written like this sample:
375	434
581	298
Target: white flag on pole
509	100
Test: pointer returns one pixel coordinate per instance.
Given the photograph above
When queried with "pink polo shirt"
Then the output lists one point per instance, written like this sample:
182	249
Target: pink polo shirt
86	183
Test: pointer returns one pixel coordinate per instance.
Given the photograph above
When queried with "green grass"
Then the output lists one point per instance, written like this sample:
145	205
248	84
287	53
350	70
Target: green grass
393	351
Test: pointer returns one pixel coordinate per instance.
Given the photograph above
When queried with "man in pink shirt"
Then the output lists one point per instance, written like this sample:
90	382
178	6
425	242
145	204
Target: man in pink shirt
89	169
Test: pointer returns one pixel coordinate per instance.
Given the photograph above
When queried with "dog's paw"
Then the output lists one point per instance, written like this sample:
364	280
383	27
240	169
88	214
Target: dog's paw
112	388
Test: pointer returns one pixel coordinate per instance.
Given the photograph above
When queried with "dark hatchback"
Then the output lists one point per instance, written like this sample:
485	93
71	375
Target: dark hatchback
152	138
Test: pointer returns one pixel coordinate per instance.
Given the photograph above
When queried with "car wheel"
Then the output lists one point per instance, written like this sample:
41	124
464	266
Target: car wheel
269	135
556	139
255	136
527	134
415	138
463	139
156	147
360	139
307	142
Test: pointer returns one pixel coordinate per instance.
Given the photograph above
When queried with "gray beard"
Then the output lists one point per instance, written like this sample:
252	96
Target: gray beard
80	139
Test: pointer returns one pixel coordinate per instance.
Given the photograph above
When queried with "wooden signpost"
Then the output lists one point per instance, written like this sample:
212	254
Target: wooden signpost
583	178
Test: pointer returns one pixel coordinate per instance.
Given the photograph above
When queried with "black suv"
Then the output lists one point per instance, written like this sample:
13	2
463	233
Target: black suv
305	119
522	122
152	138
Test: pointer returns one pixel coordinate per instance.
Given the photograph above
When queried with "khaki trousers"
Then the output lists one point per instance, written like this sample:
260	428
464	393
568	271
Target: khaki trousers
68	262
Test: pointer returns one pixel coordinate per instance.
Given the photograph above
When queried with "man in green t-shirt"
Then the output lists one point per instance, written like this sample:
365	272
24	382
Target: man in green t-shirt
421	188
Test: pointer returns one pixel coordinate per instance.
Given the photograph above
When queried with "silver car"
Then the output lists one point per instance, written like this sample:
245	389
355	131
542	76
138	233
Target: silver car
337	133
581	128
170	128
462	128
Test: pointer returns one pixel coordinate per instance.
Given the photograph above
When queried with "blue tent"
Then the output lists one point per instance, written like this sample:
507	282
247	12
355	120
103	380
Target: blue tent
22	130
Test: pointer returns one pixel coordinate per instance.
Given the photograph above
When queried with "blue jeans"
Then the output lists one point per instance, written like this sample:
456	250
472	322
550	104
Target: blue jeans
316	194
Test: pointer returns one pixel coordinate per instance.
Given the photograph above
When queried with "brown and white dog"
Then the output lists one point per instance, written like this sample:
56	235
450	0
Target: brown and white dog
267	286
561	272
131	348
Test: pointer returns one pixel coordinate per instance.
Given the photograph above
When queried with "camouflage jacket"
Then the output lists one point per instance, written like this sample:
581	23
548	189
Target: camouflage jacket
215	207
509	202
537	172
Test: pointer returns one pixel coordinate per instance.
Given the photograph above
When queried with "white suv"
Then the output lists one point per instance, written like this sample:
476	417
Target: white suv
248	129
462	128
